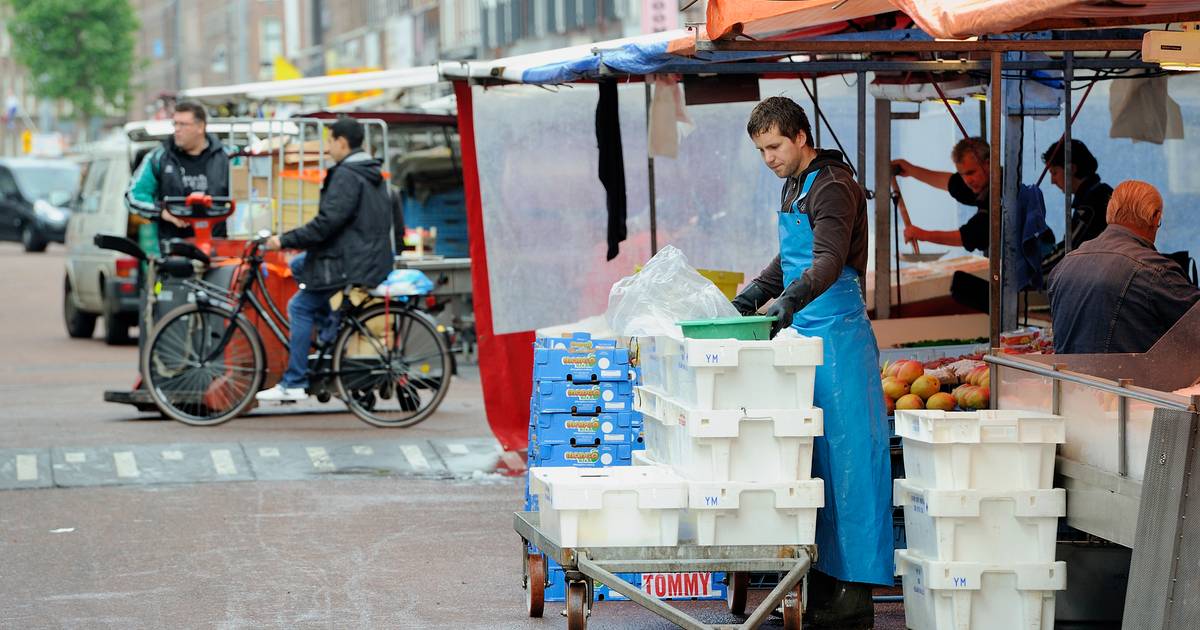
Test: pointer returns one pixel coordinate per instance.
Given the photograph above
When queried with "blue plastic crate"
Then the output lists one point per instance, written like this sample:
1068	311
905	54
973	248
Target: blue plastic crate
576	342
581	366
586	457
605	428
583	399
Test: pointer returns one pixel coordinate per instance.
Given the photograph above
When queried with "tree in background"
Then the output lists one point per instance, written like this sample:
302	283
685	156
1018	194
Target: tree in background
78	51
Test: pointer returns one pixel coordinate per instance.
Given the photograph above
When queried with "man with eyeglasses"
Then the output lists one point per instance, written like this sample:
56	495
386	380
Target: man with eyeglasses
191	160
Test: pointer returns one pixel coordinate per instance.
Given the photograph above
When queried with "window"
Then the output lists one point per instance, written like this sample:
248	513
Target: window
270	40
8	186
219	63
93	187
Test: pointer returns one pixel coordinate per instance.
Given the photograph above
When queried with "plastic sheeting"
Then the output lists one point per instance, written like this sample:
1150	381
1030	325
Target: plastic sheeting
543	205
666	291
764	18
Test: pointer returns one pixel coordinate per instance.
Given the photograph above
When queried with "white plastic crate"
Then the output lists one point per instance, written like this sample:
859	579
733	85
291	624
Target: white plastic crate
656	356
980	450
740	513
773	445
980	525
610	507
978	596
732	374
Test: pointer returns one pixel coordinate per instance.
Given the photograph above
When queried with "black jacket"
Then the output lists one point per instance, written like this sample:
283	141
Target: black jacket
170	172
349	241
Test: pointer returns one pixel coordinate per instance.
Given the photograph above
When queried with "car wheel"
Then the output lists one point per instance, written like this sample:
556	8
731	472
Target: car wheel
116	324
80	325
32	241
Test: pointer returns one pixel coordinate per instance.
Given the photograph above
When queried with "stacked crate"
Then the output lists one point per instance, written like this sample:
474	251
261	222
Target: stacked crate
581	416
980	519
736	420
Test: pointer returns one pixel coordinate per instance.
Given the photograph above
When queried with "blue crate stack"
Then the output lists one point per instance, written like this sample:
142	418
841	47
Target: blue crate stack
581	415
445	211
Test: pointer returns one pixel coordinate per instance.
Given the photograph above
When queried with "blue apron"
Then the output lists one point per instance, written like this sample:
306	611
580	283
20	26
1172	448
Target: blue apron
854	530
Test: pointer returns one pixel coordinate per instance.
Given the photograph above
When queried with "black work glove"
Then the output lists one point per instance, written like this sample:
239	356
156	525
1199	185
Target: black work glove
785	307
751	298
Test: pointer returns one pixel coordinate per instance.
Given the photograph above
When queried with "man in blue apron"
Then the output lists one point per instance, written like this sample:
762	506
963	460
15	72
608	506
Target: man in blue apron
816	283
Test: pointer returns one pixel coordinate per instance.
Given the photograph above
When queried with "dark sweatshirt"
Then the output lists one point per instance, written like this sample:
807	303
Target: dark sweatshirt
837	211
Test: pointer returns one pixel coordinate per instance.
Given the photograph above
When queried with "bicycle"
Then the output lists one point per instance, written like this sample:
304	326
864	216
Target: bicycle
204	361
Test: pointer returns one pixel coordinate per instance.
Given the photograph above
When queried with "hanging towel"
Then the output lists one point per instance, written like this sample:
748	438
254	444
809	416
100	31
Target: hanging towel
612	163
668	117
1036	237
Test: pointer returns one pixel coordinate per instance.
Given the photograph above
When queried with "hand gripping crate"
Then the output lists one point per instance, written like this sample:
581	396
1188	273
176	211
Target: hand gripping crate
773	445
978	595
743	513
980	450
613	507
732	374
993	526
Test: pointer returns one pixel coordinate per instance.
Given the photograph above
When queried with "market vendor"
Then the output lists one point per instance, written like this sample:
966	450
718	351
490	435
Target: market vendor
1116	292
1089	203
816	283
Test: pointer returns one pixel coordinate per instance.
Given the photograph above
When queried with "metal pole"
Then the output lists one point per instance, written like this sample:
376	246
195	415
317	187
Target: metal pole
817	112
650	180
996	96
983	121
862	130
883	198
1010	245
1068	191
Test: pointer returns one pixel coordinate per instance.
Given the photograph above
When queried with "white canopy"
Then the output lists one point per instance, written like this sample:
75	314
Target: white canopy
360	82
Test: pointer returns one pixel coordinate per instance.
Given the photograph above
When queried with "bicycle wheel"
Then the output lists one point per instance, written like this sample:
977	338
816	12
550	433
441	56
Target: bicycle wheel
203	365
392	366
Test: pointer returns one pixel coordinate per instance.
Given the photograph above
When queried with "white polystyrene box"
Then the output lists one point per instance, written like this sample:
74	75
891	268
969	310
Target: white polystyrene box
760	445
980	525
636	506
979	450
977	595
732	374
746	513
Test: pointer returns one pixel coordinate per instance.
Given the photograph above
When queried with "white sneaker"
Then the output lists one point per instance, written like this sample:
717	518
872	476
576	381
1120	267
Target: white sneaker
279	393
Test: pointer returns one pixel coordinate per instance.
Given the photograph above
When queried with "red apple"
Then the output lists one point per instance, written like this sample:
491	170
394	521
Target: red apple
940	400
926	386
894	388
911	401
890	405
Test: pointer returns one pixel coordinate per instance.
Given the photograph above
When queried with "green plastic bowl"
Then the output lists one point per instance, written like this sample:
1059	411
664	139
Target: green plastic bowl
751	328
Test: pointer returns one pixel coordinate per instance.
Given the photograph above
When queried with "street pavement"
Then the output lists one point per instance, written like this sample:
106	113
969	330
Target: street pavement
298	517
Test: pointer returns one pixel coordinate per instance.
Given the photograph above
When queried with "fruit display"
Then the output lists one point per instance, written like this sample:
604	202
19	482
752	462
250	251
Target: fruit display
946	384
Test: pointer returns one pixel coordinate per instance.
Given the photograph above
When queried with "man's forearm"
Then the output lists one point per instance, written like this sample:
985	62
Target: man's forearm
937	179
941	237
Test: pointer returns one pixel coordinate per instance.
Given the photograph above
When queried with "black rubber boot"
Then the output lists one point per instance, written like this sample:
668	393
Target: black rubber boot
845	606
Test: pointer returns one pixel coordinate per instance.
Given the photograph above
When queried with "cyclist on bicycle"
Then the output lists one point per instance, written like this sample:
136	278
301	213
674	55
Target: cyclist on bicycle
348	242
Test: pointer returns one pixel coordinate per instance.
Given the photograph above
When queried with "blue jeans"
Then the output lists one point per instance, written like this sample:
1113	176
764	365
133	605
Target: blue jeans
308	310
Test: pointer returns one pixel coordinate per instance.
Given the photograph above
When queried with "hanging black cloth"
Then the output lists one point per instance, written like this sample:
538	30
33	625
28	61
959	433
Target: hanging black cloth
612	163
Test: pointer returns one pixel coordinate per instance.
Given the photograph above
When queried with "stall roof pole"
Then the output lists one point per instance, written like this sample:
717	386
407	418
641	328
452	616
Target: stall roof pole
1068	76
650	181
995	96
862	142
1010	248
883	197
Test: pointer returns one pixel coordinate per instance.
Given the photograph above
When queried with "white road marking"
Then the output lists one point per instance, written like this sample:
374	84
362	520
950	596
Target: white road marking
75	458
223	462
320	458
27	468
415	458
267	451
364	450
126	464
458	449
172	456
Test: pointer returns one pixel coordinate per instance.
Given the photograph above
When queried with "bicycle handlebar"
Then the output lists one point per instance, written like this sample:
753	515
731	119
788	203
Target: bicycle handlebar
198	206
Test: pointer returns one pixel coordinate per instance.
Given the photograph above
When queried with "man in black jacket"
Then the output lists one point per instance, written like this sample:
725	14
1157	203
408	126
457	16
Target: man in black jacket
348	242
1089	205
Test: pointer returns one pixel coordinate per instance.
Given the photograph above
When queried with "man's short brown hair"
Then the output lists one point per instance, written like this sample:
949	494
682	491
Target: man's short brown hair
782	113
977	147
196	109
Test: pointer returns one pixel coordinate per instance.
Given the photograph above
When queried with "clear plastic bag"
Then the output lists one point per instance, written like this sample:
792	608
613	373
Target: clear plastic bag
667	290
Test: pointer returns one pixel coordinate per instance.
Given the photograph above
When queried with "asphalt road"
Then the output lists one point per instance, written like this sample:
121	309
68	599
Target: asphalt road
283	519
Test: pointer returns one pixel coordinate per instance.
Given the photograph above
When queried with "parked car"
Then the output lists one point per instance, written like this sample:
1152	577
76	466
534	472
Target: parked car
35	197
101	283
